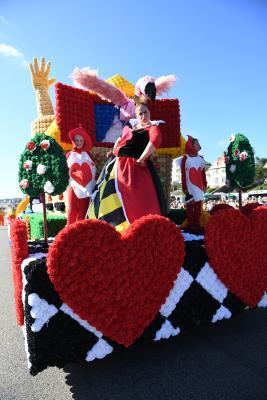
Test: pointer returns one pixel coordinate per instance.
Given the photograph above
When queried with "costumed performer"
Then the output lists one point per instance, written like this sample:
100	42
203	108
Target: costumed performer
129	186
193	183
2	217
82	172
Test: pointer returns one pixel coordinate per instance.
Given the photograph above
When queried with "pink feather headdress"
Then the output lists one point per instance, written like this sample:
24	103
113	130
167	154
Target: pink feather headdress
87	78
163	84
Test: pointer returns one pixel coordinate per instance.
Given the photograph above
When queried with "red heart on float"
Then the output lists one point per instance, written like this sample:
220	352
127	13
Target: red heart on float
116	282
237	250
195	176
81	173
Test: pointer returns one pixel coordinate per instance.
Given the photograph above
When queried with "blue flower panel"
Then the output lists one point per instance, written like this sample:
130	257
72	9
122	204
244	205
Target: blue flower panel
107	123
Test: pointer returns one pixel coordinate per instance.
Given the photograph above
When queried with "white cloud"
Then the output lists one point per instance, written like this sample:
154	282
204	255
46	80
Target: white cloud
13	53
10	51
2	19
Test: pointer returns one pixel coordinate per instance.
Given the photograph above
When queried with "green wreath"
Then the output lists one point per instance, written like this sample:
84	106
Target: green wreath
43	167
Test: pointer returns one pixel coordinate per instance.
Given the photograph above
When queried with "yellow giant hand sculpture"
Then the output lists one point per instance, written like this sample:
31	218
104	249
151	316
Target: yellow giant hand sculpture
41	83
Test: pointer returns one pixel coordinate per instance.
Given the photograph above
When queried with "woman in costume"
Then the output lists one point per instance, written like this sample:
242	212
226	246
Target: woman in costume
82	172
129	187
193	183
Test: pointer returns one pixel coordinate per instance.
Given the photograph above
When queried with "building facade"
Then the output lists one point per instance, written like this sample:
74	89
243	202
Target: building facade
216	175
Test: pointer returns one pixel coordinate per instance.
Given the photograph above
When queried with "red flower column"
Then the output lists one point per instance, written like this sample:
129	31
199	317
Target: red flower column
19	251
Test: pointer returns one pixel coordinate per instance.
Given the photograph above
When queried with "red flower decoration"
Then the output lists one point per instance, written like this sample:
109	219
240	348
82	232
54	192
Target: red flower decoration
119	282
45	144
19	251
220	207
236	246
249	207
236	153
31	146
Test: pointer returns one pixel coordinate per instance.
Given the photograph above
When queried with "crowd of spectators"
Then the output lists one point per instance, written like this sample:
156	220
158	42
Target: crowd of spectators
209	204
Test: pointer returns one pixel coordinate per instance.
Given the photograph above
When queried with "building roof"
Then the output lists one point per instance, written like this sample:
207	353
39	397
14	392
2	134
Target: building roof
219	163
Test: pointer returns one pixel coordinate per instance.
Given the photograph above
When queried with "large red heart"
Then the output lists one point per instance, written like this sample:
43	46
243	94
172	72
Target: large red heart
81	173
115	282
237	250
195	176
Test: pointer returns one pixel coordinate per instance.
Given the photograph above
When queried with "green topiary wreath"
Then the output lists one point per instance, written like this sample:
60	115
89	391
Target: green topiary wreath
240	162
43	167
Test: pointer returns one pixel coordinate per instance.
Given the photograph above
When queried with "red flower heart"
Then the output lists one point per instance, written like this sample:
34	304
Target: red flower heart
195	176
115	282
81	173
237	250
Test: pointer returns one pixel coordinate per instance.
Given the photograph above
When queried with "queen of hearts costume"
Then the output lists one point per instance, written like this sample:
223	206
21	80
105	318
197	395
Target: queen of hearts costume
82	172
127	190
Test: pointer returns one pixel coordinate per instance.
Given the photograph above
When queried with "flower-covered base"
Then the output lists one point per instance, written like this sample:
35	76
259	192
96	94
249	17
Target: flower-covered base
56	335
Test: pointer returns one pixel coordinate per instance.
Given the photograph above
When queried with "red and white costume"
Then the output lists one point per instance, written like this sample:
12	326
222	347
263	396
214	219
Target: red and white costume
82	172
193	184
193	176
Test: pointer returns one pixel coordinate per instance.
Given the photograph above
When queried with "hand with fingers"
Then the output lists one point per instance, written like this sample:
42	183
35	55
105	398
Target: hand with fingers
40	73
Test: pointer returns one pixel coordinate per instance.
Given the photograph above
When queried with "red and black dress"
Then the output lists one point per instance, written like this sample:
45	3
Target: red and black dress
127	190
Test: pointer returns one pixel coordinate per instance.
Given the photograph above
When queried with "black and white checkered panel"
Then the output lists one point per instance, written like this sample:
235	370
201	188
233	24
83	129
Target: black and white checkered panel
198	296
54	335
39	246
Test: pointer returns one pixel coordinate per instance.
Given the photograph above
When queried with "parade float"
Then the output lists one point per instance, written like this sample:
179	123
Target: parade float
91	289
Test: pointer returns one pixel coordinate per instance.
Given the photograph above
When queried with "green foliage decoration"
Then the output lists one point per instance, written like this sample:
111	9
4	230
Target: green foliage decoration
240	162
55	223
43	167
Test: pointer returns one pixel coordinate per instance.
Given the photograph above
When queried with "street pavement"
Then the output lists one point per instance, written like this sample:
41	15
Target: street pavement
226	361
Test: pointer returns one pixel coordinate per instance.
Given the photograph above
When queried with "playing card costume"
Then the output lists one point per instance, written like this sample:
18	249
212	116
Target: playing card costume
82	172
193	183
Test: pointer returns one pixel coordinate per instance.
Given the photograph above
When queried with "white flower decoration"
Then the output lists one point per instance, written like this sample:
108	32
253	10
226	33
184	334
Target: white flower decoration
232	168
41	169
49	187
27	165
232	138
243	156
24	184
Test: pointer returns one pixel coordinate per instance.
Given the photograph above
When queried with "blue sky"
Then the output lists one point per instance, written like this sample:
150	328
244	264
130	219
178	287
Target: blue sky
216	48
